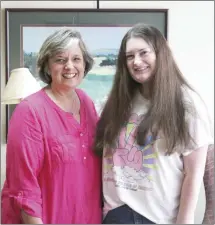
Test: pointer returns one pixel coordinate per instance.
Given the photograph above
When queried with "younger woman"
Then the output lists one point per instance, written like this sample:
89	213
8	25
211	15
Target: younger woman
153	134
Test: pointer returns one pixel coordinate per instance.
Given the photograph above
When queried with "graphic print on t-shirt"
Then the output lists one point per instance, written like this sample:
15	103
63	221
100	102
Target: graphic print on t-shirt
129	165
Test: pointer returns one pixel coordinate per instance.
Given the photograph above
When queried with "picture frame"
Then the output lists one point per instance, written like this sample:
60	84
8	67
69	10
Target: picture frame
17	20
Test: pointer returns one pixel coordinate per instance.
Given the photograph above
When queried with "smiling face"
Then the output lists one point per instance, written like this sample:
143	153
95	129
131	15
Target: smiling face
140	59
67	67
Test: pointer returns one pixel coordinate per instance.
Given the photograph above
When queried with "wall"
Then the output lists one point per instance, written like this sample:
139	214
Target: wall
191	37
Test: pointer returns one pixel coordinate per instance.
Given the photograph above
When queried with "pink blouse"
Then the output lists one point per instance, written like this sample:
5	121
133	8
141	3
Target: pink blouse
51	170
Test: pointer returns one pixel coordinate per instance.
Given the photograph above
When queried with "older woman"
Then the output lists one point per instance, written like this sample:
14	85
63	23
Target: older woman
52	174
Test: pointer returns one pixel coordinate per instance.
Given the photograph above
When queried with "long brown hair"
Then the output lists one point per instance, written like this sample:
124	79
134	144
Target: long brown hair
167	109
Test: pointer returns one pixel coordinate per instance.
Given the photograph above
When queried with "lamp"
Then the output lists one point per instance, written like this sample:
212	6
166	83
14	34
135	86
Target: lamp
21	83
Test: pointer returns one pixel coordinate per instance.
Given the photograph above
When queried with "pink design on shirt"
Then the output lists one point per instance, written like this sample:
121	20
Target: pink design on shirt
127	154
129	165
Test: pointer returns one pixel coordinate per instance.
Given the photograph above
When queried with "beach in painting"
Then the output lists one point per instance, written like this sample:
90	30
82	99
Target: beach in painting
103	44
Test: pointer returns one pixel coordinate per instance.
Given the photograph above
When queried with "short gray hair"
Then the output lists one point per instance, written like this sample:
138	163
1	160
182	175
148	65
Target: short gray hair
56	42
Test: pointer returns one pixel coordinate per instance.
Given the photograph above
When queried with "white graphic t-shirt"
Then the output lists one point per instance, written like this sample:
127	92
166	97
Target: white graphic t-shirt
143	177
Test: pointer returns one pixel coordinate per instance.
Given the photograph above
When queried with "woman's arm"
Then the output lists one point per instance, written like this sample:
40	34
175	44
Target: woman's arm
24	159
209	187
194	166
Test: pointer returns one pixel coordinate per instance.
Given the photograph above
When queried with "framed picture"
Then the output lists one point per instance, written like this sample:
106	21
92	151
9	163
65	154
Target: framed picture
101	29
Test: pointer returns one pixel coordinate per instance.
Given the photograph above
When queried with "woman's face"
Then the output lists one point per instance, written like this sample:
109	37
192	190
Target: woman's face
67	67
140	59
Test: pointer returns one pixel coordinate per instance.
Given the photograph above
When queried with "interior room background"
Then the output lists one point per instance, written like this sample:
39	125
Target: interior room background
190	36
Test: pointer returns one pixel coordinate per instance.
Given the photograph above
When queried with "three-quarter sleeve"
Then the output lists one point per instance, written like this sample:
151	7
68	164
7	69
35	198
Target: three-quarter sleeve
24	160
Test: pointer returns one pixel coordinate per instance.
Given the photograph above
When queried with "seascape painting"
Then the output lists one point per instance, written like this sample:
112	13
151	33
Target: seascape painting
102	42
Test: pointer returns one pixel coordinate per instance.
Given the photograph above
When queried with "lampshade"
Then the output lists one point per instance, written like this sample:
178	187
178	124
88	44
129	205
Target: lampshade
21	83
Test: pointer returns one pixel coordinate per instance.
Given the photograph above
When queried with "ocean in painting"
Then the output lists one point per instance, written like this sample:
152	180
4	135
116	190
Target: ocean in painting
98	88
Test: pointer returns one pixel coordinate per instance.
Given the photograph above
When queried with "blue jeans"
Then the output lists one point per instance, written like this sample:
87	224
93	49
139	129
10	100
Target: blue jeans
125	215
